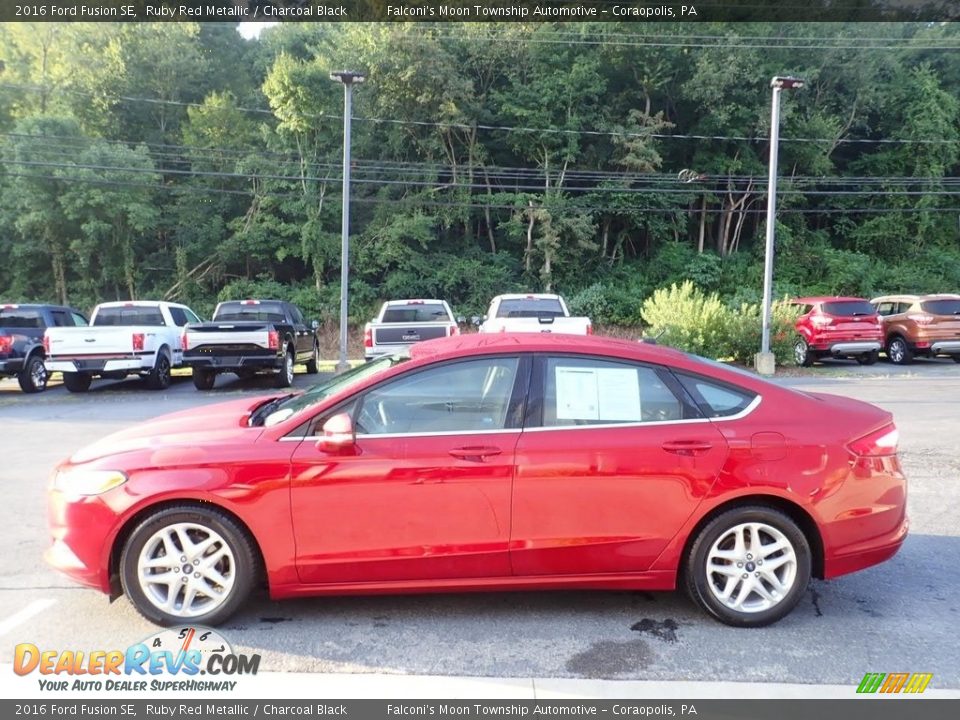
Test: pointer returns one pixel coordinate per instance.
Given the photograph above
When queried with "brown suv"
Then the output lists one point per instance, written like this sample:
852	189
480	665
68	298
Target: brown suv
927	325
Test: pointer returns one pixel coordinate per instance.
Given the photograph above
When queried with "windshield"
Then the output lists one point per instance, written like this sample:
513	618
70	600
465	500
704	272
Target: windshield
530	307
318	393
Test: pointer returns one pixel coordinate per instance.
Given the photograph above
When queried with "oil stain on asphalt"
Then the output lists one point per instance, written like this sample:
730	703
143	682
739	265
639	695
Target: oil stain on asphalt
662	630
608	659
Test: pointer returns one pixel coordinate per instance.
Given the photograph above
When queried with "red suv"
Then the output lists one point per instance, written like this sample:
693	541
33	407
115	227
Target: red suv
837	327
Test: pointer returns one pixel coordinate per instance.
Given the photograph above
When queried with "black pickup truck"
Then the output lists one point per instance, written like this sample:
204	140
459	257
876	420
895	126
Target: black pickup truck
21	340
247	337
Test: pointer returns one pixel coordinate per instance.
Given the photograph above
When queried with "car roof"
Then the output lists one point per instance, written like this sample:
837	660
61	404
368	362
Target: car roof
489	343
827	298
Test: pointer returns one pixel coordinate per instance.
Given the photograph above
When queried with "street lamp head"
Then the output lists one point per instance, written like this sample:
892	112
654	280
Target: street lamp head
787	83
348	77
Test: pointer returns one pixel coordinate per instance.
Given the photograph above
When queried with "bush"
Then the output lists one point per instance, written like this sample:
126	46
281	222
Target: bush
688	319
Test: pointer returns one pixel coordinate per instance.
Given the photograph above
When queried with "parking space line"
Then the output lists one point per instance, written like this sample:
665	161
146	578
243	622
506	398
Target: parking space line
18	618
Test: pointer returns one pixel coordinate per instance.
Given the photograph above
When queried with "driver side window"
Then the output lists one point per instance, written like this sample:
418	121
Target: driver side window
458	397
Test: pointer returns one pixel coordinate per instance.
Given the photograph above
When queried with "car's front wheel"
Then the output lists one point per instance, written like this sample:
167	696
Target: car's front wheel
188	564
284	378
898	352
749	566
204	379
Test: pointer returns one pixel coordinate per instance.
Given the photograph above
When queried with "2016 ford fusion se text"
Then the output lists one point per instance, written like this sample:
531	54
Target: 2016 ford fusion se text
490	462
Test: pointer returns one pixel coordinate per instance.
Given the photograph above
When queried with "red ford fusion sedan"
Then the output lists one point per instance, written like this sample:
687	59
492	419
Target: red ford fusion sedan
489	462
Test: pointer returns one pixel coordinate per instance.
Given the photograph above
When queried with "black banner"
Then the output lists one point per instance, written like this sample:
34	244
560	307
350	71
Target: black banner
479	10
876	708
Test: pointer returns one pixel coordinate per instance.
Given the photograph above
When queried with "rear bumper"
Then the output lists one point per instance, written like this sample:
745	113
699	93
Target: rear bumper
11	367
871	553
854	348
226	363
134	364
945	347
379	352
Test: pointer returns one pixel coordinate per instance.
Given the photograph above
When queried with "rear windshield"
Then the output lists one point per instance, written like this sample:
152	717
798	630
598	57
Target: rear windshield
132	315
263	312
849	309
530	307
10	318
941	307
428	312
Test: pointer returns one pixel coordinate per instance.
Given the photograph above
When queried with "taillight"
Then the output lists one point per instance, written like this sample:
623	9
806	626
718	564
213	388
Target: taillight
46	343
184	342
273	340
880	443
821	321
368	337
589	328
137	341
6	343
920	318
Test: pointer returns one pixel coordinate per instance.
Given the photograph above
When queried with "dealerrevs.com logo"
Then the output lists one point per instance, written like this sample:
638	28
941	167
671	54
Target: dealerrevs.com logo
180	659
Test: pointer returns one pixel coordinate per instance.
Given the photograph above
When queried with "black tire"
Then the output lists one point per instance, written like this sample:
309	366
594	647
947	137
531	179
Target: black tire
33	377
702	587
159	377
956	358
204	379
898	351
245	566
313	364
869	358
802	355
77	382
284	376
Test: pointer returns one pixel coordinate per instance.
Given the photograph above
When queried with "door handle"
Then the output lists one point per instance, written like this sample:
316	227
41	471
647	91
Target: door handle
687	447
475	452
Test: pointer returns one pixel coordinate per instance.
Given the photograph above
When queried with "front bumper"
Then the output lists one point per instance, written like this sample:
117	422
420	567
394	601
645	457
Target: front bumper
80	538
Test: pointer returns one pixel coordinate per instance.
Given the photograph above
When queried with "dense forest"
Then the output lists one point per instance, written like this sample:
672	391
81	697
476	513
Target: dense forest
181	161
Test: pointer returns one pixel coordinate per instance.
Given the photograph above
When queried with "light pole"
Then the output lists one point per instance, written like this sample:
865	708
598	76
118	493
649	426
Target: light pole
765	359
349	78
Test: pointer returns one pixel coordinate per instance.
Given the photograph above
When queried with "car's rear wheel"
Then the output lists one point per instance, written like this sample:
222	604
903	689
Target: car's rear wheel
749	566
899	352
77	382
284	378
801	353
33	376
188	564
159	377
868	358
204	379
313	364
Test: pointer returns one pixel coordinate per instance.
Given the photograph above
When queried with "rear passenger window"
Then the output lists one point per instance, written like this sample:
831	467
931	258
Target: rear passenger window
179	316
717	399
78	319
588	391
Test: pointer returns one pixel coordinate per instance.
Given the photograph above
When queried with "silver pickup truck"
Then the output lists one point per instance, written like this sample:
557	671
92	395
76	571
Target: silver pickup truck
401	323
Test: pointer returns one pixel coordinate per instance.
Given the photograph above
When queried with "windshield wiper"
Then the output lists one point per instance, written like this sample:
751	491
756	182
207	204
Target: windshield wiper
259	415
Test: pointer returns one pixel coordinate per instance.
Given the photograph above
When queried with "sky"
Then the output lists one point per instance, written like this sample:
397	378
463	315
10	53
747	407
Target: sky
251	30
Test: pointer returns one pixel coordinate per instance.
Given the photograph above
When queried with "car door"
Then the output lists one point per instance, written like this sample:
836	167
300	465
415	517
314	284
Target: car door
613	460
302	340
424	494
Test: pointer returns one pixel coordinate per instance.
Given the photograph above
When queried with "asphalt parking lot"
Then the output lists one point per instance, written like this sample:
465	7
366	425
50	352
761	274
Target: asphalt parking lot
900	616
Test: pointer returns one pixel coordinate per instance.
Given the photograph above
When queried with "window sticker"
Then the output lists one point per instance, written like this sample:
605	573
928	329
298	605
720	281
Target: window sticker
607	394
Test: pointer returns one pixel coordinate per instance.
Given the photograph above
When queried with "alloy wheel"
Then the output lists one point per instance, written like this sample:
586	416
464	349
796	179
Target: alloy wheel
751	567
186	570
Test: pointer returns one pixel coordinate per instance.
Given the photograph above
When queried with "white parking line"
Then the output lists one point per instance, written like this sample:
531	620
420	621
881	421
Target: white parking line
18	618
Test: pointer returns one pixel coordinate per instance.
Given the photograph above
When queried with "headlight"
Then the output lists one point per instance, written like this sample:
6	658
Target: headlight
87	482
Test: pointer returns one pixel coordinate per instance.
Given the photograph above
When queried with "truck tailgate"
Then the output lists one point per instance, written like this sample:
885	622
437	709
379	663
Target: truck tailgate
228	337
404	334
98	341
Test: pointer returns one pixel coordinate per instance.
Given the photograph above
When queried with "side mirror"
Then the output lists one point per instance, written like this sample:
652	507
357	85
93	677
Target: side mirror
477	320
314	324
338	434
461	319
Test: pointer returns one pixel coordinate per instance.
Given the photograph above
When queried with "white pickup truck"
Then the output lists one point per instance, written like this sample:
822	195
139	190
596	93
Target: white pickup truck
124	338
401	323
538	312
